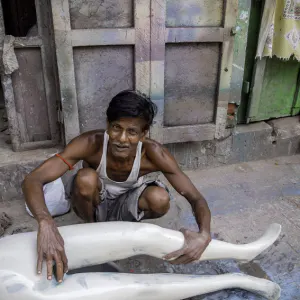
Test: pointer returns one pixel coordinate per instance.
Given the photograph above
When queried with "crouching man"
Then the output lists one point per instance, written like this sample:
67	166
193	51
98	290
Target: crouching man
110	185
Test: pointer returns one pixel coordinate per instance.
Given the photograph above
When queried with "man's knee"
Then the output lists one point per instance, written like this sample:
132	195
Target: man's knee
158	200
86	182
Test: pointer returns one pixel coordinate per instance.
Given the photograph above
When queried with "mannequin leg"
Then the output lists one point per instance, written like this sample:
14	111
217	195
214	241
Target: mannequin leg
97	243
122	240
115	286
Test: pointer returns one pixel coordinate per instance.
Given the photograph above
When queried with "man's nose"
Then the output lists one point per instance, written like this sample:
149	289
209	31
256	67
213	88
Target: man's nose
123	137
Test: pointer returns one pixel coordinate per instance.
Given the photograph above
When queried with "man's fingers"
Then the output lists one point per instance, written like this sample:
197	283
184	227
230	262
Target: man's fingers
179	260
191	257
199	254
186	258
65	261
49	267
60	240
59	268
175	254
40	262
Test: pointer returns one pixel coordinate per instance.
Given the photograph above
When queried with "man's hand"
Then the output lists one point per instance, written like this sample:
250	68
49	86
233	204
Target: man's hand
50	245
195	244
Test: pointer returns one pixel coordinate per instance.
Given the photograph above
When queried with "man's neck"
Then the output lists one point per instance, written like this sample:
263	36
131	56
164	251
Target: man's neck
121	160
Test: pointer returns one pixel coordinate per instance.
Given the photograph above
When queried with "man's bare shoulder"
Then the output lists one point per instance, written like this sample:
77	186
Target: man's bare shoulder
152	146
88	142
94	137
158	155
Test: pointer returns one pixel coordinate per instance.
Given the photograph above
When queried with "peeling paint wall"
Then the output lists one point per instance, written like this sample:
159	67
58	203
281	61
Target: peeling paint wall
87	14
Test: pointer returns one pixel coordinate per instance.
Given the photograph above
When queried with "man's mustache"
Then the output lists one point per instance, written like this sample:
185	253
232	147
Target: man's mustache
121	145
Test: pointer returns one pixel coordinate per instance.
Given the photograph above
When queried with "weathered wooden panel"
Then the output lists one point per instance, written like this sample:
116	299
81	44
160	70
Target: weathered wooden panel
190	133
65	66
101	73
194	35
157	78
30	97
274	90
191	82
96	37
49	65
142	56
188	13
88	14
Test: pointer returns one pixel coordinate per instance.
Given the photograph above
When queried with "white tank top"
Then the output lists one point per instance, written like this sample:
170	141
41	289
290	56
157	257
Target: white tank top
113	189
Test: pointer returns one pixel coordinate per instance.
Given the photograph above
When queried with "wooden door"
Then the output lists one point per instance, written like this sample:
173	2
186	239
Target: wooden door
275	89
191	62
102	47
177	51
30	92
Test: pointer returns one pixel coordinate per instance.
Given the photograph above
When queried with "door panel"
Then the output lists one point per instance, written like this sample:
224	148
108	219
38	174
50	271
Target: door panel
191	83
275	89
88	14
194	13
191	63
31	105
116	74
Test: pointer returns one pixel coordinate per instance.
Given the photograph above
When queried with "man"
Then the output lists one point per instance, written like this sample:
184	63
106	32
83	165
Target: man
110	186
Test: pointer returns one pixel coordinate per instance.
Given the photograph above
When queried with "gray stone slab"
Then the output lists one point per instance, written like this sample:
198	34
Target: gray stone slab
285	128
244	198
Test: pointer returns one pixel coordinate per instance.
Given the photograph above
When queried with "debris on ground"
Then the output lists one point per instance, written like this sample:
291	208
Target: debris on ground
5	222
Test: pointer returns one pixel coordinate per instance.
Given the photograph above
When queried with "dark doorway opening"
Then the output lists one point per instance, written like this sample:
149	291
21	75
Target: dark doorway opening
19	17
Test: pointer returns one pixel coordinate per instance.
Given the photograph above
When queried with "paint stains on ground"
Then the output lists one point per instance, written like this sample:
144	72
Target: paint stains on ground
5	222
253	269
107	268
21	230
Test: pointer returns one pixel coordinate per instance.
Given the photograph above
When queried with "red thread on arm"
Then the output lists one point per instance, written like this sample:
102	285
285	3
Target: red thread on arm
69	165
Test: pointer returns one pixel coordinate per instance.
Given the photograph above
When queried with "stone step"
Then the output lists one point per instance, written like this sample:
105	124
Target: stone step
15	165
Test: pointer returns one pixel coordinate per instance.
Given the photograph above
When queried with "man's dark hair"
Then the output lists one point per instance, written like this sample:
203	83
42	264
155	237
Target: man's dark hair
131	104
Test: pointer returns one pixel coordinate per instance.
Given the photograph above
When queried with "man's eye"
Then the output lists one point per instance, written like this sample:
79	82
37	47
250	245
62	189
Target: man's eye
132	132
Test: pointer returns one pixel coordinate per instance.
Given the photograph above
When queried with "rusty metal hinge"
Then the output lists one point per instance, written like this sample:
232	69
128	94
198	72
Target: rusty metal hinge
246	87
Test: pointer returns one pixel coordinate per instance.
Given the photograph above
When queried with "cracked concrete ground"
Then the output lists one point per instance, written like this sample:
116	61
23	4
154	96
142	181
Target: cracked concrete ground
244	199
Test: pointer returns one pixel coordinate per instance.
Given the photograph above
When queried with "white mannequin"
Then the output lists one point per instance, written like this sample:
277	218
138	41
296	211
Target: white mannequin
97	243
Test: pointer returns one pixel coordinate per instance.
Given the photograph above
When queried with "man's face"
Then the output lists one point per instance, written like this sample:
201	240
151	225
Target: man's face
124	135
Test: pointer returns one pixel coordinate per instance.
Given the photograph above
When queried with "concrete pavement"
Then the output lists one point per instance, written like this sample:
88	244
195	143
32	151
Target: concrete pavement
244	199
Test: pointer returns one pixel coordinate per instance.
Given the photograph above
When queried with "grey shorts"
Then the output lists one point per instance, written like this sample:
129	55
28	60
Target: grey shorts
123	208
126	206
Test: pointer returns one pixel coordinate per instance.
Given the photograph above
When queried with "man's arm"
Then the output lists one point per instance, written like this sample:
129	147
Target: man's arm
50	243
196	243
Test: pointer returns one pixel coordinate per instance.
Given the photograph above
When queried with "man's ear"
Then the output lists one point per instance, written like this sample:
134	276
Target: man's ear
145	134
